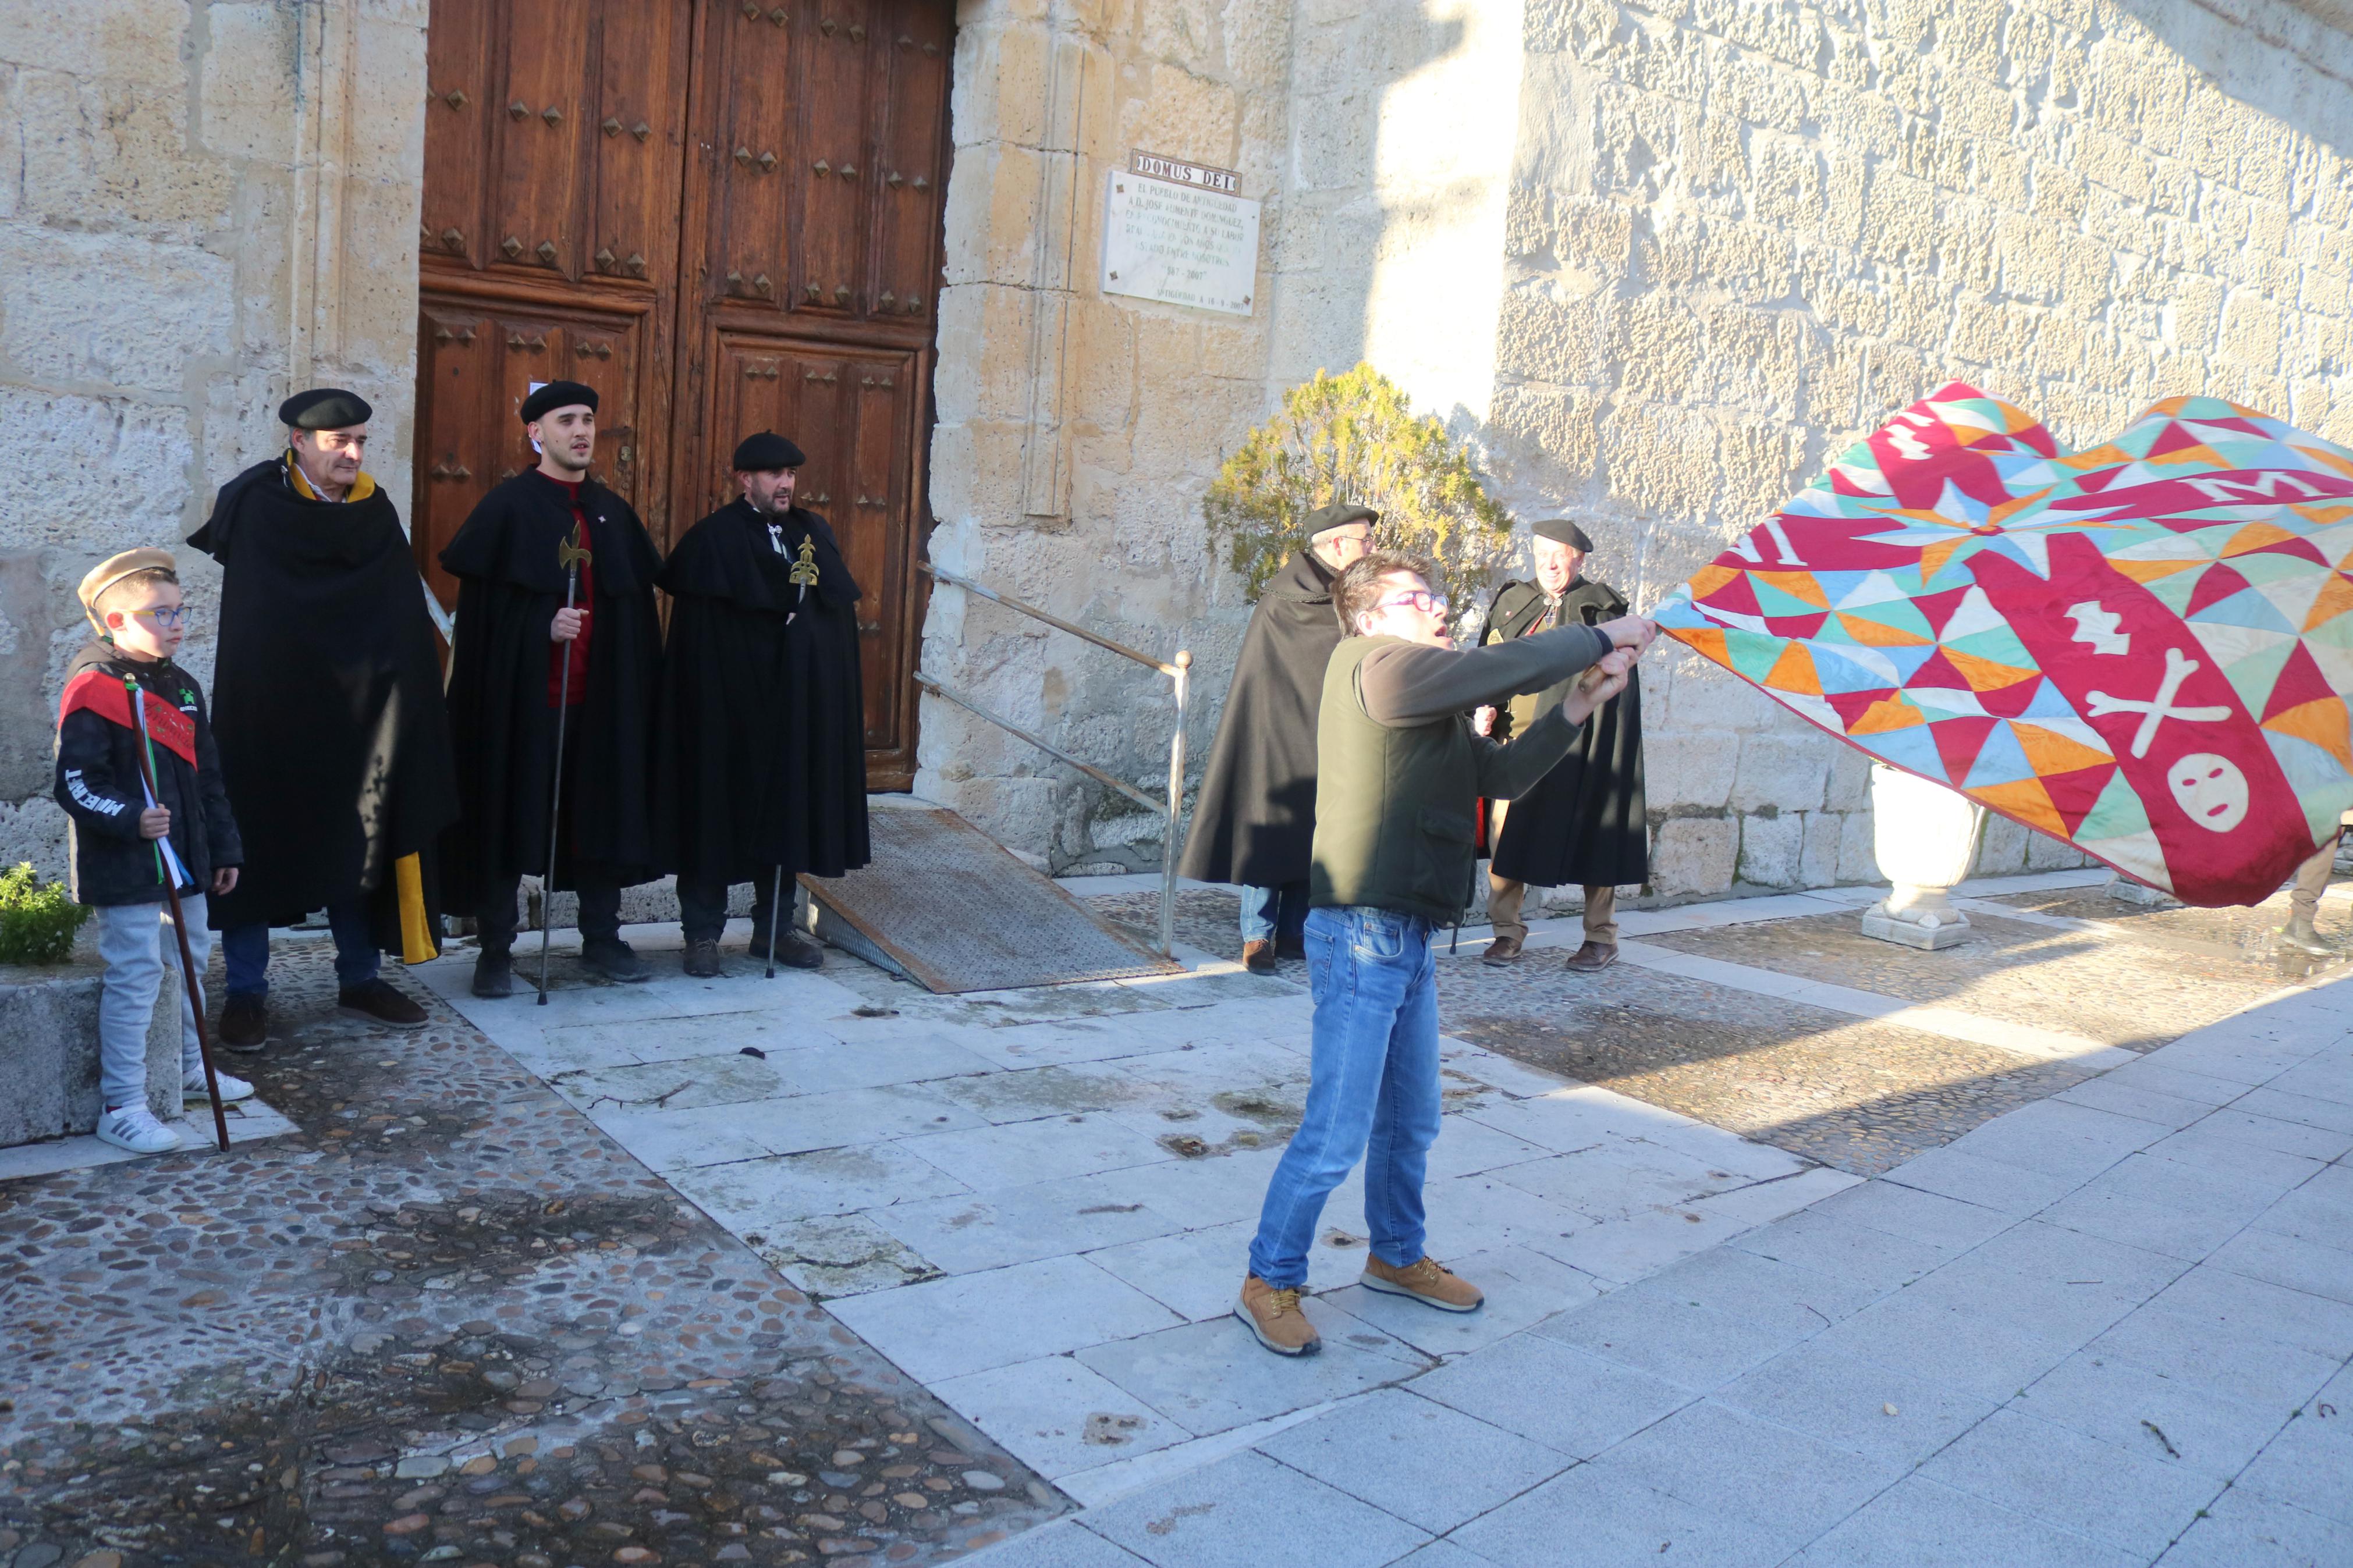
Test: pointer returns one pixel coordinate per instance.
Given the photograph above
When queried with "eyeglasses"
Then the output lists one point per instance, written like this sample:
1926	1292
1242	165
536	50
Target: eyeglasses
1423	599
164	615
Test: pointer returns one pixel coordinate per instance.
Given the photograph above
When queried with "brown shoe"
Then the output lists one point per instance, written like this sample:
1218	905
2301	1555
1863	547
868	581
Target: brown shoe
1429	1282
1593	957
244	1024
1503	950
1258	957
703	959
1275	1316
378	1003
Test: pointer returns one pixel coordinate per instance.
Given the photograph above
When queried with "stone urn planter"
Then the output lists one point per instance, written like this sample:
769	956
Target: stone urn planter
48	1046
1927	838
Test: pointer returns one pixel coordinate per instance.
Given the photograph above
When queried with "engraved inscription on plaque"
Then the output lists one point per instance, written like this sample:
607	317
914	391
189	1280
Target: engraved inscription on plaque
1175	232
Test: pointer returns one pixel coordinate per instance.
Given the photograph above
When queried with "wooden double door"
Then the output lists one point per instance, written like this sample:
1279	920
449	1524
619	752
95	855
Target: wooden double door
725	218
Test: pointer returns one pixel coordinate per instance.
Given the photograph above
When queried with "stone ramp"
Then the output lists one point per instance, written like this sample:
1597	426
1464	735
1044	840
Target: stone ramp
951	909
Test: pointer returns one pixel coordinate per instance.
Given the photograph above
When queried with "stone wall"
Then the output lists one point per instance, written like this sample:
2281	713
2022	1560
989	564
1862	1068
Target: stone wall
1741	234
1077	431
201	205
1659	261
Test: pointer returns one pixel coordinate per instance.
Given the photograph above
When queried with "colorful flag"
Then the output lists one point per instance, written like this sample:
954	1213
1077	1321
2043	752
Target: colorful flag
2143	649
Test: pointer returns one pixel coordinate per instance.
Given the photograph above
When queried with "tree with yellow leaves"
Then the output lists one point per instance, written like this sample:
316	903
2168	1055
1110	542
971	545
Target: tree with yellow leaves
1355	438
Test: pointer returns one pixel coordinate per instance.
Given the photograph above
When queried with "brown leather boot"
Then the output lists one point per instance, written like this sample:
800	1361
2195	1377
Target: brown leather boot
1258	957
1502	950
1428	1281
1592	958
1275	1316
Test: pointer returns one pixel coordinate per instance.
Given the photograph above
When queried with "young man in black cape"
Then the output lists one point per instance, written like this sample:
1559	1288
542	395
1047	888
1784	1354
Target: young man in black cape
760	764
1254	820
521	655
327	709
1584	822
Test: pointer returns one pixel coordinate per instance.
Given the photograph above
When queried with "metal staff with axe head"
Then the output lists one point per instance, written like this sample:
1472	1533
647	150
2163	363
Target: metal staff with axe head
571	555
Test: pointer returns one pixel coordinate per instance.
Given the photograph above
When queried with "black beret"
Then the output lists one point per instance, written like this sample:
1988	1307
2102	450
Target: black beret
1339	514
766	452
557	394
1560	531
324	409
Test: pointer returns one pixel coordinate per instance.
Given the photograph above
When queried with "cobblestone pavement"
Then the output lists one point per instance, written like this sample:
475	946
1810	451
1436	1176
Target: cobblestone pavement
449	1321
1855	1095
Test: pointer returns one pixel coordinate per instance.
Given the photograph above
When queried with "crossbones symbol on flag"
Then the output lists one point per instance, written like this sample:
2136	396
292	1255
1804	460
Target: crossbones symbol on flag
2179	668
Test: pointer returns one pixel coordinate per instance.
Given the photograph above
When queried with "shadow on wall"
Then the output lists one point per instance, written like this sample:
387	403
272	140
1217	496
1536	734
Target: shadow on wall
1342	73
2317	34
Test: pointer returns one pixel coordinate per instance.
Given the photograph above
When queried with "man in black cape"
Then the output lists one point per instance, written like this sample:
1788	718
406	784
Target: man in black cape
760	759
1584	823
1254	819
521	656
327	709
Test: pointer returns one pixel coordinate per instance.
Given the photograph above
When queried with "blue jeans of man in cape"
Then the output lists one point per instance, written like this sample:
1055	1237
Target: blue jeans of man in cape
1372	1090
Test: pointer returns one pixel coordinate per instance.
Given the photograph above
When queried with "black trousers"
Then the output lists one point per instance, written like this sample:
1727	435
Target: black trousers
494	922
703	907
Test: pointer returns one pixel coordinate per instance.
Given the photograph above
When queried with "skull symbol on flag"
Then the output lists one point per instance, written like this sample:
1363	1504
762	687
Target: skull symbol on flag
2144	648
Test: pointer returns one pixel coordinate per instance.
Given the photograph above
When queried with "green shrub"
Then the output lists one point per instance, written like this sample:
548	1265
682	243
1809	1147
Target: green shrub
37	918
1355	438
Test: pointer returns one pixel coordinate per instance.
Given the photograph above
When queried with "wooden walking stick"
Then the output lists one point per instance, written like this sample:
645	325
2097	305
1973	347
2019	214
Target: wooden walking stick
569	554
165	863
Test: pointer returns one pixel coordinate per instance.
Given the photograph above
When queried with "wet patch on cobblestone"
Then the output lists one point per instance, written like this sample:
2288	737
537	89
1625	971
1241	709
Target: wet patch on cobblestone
2247	935
447	1320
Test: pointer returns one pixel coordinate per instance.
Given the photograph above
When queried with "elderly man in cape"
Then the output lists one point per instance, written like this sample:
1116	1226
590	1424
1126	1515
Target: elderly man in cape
327	709
1584	823
1254	820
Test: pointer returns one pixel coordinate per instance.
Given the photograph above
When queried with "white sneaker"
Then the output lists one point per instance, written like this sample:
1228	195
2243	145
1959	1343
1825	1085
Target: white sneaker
232	1088
134	1127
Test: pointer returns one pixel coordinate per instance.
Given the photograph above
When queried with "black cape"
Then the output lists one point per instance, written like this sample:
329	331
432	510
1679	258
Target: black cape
760	756
501	712
1583	824
326	703
1254	819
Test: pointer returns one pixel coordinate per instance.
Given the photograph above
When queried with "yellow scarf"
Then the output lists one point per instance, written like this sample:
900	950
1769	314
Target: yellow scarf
362	487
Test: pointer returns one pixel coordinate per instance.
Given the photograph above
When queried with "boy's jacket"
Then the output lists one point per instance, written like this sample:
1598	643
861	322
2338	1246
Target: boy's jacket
97	779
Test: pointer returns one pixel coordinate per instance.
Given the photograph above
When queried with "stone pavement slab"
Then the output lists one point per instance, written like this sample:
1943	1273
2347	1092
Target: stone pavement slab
1225	1515
1424	1462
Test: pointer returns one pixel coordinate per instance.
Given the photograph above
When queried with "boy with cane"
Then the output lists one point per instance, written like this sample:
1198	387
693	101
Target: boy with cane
140	779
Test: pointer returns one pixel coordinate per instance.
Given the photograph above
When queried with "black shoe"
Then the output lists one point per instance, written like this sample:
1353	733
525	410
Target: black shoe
703	959
795	949
244	1024
495	974
614	959
1290	946
378	1003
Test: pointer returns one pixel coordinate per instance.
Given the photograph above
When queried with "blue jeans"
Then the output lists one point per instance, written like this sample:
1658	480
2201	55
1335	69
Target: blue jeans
1270	911
245	952
1372	1090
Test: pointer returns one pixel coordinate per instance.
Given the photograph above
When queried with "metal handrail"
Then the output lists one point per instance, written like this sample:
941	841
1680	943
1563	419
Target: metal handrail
1179	673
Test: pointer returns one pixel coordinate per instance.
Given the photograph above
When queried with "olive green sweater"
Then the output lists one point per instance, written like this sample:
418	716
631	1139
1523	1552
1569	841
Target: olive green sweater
1399	772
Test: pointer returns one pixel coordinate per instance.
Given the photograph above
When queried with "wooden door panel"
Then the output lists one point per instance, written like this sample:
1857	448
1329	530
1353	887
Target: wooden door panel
877	538
639	140
753	157
544	106
457	445
458	123
908	172
836	171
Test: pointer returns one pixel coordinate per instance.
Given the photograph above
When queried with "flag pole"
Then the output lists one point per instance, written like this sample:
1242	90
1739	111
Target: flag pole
571	553
179	922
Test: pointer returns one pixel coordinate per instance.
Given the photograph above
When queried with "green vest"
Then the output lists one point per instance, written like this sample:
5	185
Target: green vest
1394	808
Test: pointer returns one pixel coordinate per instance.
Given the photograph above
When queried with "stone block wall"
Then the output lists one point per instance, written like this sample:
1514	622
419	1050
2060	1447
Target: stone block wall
1077	430
1742	234
202	204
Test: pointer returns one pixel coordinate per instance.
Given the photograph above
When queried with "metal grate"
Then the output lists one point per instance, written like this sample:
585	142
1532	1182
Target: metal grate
952	908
